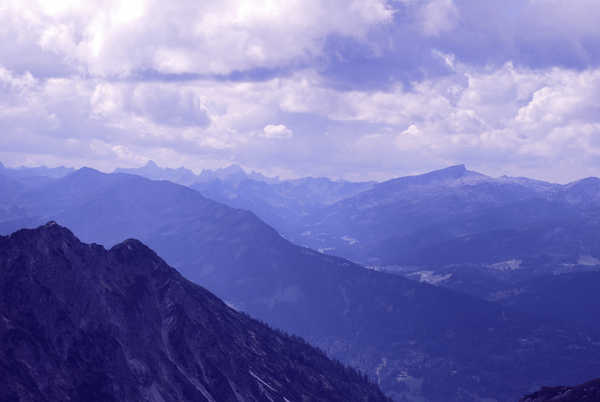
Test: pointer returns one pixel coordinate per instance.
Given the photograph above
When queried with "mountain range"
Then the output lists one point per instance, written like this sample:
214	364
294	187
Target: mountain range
445	217
186	177
281	203
454	216
417	341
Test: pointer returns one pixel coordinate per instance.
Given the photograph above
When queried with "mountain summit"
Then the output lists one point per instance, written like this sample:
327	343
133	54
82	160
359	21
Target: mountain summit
79	322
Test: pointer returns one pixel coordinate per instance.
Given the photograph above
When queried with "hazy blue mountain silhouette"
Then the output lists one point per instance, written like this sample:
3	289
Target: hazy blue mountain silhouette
152	171
284	204
31	177
281	203
455	216
232	174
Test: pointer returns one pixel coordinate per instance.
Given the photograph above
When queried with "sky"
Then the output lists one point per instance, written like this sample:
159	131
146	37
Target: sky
368	89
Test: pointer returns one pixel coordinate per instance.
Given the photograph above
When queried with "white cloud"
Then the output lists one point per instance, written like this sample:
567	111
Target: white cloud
439	16
109	38
504	118
277	131
501	119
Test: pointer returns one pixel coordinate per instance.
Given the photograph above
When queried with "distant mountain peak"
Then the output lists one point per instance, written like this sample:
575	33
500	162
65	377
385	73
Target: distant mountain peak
151	164
460	169
448	175
235	168
87	170
454	171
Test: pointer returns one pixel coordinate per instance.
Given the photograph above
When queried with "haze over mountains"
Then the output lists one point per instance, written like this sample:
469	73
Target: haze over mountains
452	227
187	177
281	203
453	211
80	322
417	341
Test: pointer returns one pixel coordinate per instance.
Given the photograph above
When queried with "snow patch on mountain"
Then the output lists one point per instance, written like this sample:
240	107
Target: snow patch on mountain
432	278
509	265
588	260
350	240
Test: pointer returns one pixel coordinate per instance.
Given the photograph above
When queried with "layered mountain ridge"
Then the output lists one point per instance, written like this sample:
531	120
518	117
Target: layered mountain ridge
79	322
415	340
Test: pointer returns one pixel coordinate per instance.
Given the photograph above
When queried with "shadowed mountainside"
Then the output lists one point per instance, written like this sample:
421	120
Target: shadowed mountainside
79	322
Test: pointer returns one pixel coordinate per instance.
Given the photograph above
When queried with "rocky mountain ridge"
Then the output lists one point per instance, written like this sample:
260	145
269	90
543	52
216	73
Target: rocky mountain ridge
79	322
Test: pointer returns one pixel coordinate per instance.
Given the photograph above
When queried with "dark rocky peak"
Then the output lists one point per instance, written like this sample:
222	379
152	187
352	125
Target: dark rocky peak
132	246
78	322
137	255
49	236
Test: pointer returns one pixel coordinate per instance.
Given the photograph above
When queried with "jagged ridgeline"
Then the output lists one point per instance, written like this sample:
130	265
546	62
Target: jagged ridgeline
79	322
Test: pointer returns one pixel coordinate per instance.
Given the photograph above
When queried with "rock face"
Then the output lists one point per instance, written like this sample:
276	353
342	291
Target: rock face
588	392
78	322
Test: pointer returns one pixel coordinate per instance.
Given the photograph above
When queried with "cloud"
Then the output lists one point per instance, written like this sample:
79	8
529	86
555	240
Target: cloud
529	33
493	118
370	88
115	38
278	131
439	16
502	120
